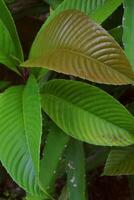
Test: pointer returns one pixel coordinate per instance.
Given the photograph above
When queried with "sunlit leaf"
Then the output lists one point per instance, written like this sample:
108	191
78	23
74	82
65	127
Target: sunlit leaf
20	120
88	113
75	45
98	10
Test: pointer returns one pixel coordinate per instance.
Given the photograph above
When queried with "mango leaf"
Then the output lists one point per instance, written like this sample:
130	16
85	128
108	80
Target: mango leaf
128	30
75	159
87	113
20	131
75	45
10	48
96	9
55	145
120	162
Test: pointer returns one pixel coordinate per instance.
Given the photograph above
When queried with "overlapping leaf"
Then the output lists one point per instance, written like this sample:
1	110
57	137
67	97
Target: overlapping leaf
128	30
87	113
20	133
55	145
75	45
98	10
120	162
10	47
75	161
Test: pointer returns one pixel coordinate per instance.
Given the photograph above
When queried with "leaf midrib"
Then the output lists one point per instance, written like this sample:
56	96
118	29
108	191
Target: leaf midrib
89	58
82	109
25	130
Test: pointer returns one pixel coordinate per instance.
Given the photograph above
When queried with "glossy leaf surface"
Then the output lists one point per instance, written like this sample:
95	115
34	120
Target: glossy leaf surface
20	109
88	113
98	10
75	45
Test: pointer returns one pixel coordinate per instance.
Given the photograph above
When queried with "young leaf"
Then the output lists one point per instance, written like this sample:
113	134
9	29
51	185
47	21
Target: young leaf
55	145
128	30
75	45
87	113
120	162
20	131
96	9
76	171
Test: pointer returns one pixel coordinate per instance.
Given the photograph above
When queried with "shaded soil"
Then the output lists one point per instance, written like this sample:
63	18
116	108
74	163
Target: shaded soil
109	188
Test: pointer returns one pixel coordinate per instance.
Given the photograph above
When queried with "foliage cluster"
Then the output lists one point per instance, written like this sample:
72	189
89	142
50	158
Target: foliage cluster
66	106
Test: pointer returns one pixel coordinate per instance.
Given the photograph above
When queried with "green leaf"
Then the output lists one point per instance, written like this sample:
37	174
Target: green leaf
7	48
120	162
20	131
86	51
128	30
117	33
9	34
55	145
76	171
29	197
4	84
54	3
98	10
87	113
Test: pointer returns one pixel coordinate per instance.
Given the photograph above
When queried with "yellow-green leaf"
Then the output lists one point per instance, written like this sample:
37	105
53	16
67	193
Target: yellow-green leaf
98	10
20	131
87	113
75	45
120	162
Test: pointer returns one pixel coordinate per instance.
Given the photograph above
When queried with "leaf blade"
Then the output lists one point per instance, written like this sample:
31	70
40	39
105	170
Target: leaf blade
120	162
87	113
128	30
98	10
86	51
55	146
15	153
7	19
76	185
